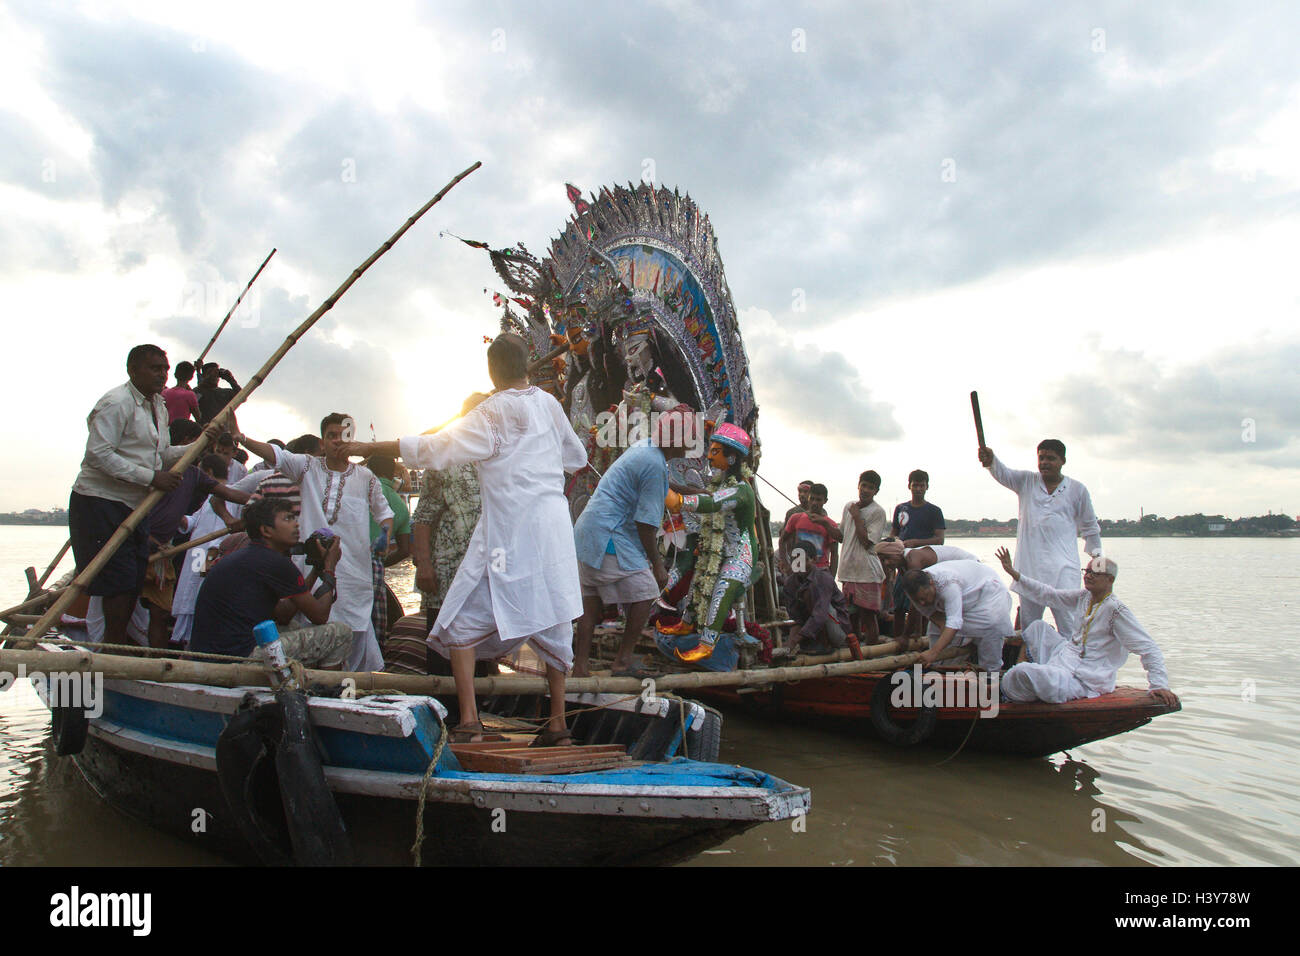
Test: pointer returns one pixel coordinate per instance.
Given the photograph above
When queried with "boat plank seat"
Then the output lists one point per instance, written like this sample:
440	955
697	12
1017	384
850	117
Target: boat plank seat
516	757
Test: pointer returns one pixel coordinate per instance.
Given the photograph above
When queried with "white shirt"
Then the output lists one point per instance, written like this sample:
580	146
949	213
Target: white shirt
1050	525
944	552
128	442
522	444
344	502
858	563
1112	633
971	596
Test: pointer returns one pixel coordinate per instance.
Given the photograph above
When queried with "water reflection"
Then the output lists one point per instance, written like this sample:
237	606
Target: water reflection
1216	784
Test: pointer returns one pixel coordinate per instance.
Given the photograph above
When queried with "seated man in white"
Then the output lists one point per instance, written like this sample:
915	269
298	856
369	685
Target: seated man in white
1085	664
967	603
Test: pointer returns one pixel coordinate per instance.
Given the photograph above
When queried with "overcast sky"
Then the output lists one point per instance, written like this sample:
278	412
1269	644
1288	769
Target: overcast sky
1086	211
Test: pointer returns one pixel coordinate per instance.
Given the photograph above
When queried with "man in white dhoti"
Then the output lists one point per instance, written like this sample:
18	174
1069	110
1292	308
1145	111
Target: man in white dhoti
341	496
519	579
968	603
1085	664
1054	512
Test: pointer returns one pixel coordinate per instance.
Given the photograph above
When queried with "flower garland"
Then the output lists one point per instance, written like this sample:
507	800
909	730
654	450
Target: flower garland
709	552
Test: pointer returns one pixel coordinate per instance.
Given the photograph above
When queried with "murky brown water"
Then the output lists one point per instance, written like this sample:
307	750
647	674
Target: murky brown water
1216	784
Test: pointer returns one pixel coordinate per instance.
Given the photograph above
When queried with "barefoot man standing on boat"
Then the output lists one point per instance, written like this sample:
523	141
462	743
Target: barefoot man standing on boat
1085	665
519	579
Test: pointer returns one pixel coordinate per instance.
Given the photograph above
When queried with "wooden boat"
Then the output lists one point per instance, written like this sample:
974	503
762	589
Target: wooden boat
860	702
159	752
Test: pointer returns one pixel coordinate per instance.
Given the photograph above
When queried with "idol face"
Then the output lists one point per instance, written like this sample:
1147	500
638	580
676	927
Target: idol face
718	456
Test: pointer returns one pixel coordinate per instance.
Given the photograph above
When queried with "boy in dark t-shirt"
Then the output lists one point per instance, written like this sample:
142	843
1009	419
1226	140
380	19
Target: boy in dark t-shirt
260	583
917	523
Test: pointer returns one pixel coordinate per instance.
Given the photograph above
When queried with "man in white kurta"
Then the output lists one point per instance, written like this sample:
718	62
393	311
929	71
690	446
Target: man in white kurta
1055	511
968	603
519	579
1086	663
342	497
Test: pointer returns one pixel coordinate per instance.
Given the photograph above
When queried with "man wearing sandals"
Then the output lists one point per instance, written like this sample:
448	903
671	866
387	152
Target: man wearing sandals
519	579
616	538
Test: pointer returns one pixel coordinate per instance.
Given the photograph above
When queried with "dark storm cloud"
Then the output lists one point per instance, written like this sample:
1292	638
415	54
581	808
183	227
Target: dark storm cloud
823	169
816	141
1244	402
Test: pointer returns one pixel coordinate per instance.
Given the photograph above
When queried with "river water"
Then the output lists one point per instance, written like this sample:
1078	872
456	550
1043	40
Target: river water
1215	784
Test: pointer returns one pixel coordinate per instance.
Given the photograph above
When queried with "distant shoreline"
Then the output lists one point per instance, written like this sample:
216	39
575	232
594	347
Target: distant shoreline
1106	535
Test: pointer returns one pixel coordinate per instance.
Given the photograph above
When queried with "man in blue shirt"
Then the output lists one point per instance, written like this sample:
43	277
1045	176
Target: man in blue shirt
615	536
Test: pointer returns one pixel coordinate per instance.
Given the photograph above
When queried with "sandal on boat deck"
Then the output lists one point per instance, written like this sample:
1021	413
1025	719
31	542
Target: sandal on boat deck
465	734
553	738
637	670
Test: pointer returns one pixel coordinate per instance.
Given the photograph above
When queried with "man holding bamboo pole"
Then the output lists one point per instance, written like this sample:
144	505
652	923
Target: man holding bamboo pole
127	528
127	448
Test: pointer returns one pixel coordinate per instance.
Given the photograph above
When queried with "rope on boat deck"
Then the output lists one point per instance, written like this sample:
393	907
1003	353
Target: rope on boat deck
417	847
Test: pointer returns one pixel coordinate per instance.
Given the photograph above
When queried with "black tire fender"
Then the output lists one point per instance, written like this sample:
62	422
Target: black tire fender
70	725
271	776
900	734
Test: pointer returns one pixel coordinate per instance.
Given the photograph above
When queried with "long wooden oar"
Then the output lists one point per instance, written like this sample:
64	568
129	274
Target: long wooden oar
198	362
217	425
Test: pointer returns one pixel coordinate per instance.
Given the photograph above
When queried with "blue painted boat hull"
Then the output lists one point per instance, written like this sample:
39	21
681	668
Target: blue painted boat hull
151	754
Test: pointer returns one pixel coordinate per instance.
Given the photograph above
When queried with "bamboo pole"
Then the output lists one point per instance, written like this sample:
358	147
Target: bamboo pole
11	614
198	362
30	603
118	667
870	652
186	545
54	564
195	448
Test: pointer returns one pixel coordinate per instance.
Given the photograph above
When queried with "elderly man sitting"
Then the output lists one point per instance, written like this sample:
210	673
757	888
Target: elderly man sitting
1085	665
968	603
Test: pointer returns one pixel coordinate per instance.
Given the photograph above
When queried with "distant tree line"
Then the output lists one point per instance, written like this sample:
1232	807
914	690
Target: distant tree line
1154	526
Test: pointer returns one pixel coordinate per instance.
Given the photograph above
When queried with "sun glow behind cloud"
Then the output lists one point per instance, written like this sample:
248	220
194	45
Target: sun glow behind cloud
1137	200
